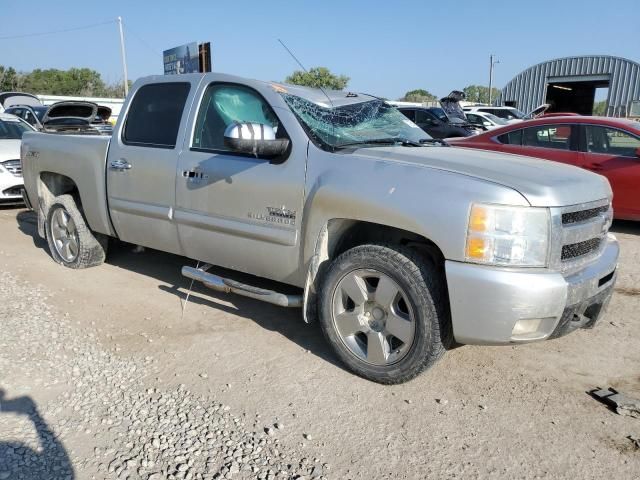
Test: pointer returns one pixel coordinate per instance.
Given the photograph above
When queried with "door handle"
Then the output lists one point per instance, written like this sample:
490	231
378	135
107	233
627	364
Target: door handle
596	167
120	164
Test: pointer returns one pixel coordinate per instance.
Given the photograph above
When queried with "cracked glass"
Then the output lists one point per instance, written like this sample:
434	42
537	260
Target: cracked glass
361	123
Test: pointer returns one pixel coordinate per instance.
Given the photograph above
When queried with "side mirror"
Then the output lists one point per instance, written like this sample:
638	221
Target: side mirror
255	139
638	152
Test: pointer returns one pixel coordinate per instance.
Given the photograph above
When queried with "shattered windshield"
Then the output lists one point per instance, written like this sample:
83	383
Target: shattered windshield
363	123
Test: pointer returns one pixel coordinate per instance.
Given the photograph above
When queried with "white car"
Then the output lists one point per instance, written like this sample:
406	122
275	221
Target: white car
11	183
510	114
485	121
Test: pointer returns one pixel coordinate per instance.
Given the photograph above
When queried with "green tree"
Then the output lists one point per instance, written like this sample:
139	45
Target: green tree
480	94
9	79
318	77
600	108
419	95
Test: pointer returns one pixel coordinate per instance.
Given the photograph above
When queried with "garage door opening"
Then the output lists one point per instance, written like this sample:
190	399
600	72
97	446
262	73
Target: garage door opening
574	97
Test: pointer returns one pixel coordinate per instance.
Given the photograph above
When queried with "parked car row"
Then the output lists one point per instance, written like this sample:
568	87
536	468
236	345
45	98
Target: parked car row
11	182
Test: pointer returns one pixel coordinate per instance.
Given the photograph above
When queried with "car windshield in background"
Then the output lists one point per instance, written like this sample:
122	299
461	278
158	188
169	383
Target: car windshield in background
365	123
440	113
40	111
12	129
497	120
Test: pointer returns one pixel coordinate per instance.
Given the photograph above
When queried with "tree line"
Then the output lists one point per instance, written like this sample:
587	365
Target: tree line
86	82
321	77
83	82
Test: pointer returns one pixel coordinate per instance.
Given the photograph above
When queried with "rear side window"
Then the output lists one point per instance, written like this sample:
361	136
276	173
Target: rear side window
511	138
548	136
154	116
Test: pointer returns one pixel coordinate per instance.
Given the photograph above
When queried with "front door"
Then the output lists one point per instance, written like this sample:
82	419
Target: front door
236	210
613	153
141	167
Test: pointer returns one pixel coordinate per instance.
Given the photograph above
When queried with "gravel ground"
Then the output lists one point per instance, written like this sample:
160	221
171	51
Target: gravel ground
102	375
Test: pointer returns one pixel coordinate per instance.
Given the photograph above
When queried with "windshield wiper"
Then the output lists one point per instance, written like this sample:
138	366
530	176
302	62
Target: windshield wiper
405	142
435	141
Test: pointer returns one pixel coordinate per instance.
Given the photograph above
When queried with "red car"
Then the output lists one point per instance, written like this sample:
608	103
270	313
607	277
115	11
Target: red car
608	146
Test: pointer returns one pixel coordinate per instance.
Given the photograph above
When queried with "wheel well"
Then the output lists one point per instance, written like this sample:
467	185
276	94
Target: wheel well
52	185
348	234
340	235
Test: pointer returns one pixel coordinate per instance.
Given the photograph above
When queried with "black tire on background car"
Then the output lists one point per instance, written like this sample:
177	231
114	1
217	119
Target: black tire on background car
70	240
383	310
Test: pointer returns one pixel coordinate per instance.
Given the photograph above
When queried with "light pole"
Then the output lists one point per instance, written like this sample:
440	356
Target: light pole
124	58
492	62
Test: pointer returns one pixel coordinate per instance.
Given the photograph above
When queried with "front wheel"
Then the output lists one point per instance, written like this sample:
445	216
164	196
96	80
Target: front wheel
382	310
70	240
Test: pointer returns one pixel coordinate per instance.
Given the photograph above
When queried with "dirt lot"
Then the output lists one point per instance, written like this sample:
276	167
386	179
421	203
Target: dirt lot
103	376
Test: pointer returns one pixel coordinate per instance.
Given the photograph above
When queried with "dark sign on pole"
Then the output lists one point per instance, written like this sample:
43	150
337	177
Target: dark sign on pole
205	57
182	59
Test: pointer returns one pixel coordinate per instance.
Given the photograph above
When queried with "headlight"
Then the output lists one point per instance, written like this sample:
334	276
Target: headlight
504	235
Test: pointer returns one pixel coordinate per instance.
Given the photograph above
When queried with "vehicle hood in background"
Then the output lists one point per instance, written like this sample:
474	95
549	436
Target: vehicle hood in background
542	182
10	99
9	149
85	112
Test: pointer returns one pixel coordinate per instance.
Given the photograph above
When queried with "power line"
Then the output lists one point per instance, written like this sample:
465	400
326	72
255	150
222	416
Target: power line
53	32
140	39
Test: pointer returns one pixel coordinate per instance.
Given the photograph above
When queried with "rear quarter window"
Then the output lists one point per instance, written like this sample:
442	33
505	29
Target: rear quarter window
511	138
154	116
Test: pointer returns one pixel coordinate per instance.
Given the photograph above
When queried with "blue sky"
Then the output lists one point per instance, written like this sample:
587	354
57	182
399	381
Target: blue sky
386	48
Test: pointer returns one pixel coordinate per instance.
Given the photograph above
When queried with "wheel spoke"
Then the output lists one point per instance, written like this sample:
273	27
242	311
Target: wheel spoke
376	348
73	246
64	219
399	327
65	248
354	286
386	292
348	323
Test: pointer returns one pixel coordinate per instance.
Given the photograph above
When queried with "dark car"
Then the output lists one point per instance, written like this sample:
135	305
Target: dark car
436	123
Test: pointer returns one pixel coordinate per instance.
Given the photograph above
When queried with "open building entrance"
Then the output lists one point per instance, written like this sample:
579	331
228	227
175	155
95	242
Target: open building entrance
575	95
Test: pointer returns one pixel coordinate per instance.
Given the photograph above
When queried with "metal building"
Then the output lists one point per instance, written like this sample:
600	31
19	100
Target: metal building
569	85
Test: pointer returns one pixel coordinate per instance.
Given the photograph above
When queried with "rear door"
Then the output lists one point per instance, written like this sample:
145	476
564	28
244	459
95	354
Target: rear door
142	164
613	153
236	210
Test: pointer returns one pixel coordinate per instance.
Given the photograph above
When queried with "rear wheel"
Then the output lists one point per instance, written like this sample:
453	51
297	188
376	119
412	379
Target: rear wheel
382	310
70	240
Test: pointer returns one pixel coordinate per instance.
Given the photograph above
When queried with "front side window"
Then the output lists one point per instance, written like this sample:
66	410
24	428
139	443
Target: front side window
154	115
424	119
474	119
611	141
548	136
410	114
224	105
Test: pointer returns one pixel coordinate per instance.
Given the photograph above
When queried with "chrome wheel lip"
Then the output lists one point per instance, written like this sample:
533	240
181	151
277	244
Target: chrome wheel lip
374	331
64	235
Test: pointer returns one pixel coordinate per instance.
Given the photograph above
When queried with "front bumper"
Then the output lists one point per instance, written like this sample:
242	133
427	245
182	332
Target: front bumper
10	188
496	306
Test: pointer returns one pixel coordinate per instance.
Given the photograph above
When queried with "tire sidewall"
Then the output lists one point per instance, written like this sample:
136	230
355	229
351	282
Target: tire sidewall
417	295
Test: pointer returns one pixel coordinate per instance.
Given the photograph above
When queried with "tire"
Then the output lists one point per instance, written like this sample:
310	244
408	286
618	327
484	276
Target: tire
72	244
385	350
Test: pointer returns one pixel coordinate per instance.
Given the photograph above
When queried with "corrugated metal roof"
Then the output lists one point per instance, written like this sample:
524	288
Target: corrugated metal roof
528	88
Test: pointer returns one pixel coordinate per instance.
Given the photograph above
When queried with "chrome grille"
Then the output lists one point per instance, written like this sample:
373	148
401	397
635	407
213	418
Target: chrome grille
13	166
579	234
575	250
583	215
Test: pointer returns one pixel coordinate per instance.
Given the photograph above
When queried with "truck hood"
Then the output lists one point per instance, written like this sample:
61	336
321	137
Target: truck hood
542	182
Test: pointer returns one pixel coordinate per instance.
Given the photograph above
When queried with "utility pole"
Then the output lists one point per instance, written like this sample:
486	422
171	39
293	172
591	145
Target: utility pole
492	62
124	58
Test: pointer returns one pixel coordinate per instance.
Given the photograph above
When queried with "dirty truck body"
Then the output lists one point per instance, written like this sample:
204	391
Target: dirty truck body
401	247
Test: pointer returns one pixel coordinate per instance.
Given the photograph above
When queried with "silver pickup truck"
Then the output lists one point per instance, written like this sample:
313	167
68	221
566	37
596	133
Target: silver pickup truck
400	246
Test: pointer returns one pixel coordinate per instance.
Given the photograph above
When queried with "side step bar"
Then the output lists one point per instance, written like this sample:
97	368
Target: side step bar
231	286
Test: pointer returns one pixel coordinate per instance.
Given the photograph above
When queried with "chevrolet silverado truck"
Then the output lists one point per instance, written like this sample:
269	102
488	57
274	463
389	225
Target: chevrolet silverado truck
400	246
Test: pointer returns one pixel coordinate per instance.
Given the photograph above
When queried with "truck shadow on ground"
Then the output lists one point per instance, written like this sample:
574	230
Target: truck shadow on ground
166	268
626	226
18	460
